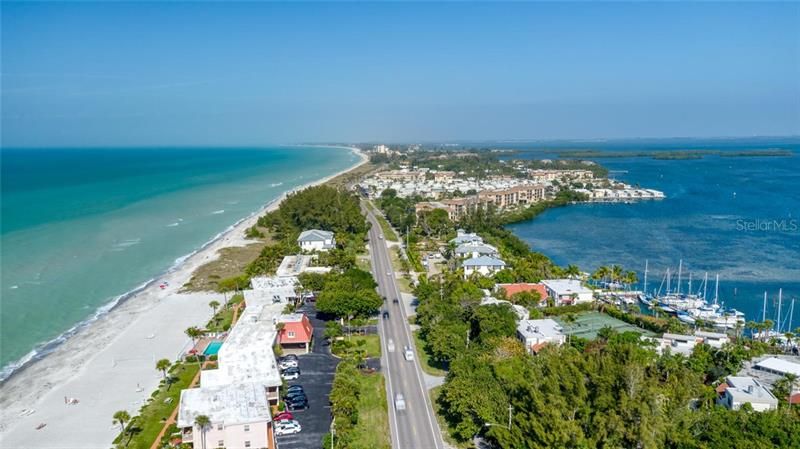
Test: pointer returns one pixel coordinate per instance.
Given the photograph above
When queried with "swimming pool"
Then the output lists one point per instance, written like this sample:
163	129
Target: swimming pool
212	348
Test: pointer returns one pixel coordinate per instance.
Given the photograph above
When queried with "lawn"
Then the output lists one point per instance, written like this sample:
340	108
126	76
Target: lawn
428	365
446	432
222	321
369	343
372	430
151	417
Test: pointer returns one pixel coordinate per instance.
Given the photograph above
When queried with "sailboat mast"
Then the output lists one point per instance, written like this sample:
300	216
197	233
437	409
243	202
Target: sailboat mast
645	278
791	316
668	279
764	312
680	269
705	287
690	283
716	291
780	298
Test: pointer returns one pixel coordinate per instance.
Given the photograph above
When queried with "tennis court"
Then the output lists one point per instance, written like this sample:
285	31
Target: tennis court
587	324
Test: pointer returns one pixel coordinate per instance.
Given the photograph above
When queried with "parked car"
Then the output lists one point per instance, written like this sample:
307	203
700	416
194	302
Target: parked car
295	396
296	405
399	402
408	353
288	363
295	387
283	416
290	373
287	427
288	357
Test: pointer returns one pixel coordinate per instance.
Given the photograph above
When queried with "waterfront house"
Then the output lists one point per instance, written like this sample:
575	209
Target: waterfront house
483	265
239	414
567	291
778	366
296	333
737	391
535	334
470	250
713	339
316	240
678	344
512	289
463	237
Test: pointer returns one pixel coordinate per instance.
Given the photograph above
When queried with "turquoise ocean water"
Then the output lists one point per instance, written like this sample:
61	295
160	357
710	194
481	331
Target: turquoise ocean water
83	228
738	217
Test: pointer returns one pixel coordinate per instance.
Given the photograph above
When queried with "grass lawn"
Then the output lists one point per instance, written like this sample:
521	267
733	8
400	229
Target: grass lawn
372	430
224	316
446	432
152	416
371	344
428	365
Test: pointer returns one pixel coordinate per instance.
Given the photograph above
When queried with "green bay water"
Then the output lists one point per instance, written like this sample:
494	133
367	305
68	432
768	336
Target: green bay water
738	217
81	228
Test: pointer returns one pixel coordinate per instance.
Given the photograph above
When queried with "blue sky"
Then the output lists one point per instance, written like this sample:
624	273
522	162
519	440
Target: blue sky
256	73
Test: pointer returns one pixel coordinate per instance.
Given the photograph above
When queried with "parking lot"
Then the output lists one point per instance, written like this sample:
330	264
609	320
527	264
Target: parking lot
316	376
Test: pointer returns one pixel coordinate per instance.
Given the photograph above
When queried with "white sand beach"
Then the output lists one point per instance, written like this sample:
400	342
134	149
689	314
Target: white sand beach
110	364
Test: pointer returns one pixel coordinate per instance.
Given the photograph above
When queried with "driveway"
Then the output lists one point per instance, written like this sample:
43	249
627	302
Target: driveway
317	371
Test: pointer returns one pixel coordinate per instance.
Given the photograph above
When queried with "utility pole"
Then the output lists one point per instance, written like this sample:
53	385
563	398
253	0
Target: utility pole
510	410
467	338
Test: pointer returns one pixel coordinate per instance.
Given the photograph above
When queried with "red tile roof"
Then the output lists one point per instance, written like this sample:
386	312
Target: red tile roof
794	398
722	387
512	289
303	331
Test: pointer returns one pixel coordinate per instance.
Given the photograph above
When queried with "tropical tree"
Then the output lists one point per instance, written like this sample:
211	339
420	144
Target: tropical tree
194	333
214	305
203	422
572	271
121	417
163	365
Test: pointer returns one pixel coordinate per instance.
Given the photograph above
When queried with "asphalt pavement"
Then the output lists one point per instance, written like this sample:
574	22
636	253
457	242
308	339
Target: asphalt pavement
416	426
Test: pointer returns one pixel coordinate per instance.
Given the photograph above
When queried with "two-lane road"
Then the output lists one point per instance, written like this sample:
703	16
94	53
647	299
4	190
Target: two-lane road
416	426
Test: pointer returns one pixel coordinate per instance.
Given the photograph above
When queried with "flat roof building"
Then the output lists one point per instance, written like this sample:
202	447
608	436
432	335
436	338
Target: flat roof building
737	391
534	334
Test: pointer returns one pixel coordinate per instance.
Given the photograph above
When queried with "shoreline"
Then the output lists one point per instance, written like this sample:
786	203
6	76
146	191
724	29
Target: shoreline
130	328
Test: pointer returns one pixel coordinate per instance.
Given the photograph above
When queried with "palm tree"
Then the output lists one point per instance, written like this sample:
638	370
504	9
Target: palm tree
214	305
616	273
121	417
194	333
163	365
203	423
572	271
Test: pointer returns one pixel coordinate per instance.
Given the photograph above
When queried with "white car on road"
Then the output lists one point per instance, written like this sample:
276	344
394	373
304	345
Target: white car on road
408	353
399	402
287	427
390	345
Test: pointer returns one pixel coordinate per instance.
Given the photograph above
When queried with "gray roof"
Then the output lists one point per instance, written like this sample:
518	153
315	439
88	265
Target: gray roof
484	261
315	235
747	389
483	248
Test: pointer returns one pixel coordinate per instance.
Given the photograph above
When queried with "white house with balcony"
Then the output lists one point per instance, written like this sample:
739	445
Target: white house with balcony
483	265
316	240
737	391
239	416
535	334
463	237
567	291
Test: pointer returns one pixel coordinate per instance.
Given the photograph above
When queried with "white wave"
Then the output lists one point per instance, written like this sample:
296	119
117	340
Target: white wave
13	287
47	347
276	184
217	212
119	246
172	225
